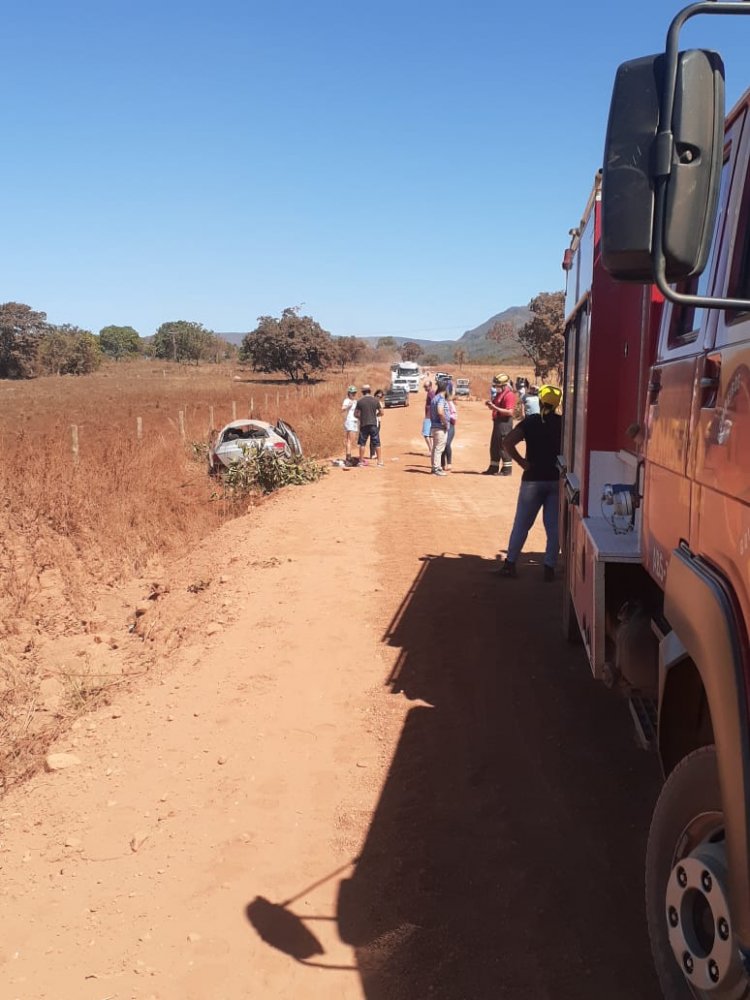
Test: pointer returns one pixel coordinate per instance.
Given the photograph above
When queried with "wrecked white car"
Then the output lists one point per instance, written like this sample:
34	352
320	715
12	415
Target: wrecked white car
234	442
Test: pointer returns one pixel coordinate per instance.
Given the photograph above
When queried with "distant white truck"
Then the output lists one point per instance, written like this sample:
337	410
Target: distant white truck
406	373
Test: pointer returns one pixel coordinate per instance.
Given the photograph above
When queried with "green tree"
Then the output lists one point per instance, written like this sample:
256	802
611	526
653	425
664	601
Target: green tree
52	352
119	341
181	340
86	352
387	344
410	351
542	337
21	330
68	350
294	344
348	350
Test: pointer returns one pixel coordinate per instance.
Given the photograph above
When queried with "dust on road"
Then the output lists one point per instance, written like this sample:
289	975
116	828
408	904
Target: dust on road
384	776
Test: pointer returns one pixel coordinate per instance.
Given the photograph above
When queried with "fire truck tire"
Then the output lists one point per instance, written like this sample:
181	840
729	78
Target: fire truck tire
685	844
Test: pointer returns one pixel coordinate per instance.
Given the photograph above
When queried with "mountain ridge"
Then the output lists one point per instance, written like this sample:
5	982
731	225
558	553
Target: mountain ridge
474	341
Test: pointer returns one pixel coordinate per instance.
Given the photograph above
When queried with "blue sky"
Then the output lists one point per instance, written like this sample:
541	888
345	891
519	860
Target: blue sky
396	167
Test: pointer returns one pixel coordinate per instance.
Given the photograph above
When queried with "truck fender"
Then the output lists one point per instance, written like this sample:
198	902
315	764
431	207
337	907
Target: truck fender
699	607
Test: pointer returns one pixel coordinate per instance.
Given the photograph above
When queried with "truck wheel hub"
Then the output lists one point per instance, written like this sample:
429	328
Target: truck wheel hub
699	924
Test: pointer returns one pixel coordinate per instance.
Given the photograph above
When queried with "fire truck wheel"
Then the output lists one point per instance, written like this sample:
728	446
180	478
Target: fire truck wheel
689	923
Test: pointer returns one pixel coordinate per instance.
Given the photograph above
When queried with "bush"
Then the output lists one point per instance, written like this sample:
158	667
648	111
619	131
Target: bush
265	471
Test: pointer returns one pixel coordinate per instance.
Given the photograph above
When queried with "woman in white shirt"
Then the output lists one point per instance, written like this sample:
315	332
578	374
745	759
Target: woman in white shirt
351	424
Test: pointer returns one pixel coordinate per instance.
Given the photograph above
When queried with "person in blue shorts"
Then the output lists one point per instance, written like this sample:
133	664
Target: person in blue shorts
368	410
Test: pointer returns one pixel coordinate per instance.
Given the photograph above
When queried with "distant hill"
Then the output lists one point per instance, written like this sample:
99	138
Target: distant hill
473	341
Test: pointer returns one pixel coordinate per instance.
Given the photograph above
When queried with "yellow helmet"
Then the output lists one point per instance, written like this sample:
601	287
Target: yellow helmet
550	395
501	379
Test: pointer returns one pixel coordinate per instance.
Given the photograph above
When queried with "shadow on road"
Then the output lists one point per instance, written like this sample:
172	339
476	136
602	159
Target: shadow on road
505	856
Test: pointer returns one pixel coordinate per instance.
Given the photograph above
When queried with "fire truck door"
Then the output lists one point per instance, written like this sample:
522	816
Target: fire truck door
666	513
681	383
721	504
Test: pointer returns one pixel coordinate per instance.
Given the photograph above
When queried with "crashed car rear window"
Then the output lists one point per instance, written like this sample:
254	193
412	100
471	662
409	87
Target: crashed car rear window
244	433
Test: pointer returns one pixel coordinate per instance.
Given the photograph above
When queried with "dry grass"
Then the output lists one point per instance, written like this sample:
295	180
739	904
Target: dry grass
125	502
123	507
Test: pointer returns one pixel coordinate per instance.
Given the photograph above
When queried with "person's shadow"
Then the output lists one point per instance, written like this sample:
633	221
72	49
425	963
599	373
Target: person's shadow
505	855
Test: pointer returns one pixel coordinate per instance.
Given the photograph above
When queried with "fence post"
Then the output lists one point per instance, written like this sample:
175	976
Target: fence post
211	418
234	410
139	428
252	406
181	422
74	442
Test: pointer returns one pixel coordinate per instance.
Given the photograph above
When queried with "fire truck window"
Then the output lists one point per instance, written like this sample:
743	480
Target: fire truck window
687	321
740	274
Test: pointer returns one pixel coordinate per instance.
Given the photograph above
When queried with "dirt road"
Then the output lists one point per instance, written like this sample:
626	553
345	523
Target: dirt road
349	717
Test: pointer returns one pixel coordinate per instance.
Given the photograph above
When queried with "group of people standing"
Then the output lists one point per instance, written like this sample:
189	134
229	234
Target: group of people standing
362	422
540	429
439	424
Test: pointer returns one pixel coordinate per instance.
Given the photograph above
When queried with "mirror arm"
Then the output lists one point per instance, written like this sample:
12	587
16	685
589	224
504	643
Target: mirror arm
699	301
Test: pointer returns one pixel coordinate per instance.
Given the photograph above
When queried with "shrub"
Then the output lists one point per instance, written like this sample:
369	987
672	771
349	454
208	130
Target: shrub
265	471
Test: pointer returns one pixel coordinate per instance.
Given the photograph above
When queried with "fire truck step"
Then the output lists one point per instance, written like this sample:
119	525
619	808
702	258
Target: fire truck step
644	714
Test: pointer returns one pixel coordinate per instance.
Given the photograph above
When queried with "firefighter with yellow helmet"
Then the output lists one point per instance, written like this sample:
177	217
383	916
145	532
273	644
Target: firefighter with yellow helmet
540	482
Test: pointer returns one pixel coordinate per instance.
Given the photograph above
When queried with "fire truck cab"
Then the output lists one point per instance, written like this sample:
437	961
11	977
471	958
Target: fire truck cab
655	496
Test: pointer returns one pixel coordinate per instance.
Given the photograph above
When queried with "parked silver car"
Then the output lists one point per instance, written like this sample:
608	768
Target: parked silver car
233	442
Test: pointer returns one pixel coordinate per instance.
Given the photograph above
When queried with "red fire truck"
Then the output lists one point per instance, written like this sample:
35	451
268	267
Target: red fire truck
656	484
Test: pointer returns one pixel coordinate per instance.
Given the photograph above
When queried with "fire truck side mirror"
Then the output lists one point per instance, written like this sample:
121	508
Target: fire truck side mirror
687	153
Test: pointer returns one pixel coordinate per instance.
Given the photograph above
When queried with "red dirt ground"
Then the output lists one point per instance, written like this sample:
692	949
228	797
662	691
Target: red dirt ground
362	767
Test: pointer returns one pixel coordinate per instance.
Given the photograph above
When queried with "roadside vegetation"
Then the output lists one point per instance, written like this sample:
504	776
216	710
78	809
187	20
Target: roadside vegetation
265	472
82	514
97	479
104	479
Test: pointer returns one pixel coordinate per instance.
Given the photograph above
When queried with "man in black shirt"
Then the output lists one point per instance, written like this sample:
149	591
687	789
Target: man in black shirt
540	480
368	410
